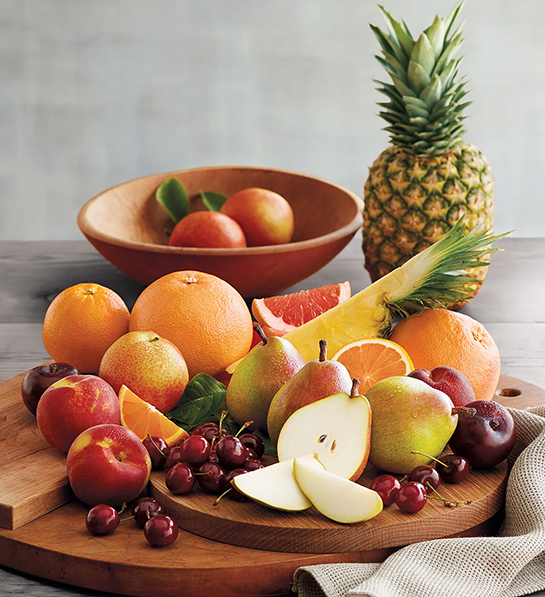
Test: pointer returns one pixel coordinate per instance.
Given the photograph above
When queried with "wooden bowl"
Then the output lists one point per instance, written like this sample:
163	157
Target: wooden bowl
129	228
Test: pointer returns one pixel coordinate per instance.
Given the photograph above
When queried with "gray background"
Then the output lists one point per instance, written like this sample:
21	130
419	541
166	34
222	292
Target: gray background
96	92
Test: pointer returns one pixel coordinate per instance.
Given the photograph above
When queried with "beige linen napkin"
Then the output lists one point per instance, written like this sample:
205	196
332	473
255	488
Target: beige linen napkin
508	565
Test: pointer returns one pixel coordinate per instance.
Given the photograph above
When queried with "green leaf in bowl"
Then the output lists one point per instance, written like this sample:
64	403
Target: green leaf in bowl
212	201
172	196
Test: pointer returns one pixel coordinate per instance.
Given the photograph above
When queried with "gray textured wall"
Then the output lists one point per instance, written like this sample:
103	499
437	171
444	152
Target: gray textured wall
96	92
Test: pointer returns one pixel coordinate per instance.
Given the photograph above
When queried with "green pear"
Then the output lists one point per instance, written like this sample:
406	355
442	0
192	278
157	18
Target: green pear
258	377
335	497
408	415
318	379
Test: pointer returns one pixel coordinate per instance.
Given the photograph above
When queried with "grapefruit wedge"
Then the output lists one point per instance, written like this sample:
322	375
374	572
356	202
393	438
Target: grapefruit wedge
278	315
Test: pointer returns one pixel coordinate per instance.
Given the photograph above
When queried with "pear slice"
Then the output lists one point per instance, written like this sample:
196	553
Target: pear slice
337	429
335	497
275	486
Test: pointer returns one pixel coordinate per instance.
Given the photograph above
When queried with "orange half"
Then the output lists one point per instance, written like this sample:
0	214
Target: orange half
373	359
142	418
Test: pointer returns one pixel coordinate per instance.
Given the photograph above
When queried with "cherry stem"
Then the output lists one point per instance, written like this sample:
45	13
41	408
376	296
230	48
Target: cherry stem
247	424
217	500
355	386
428	456
222	417
123	508
448	503
464	410
494	424
261	333
156	446
124	519
323	350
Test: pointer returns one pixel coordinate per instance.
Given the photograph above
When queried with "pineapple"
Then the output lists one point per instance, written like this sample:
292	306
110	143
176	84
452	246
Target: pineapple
429	178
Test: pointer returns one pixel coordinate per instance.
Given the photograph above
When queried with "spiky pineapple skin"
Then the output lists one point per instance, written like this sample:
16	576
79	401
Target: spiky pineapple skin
411	201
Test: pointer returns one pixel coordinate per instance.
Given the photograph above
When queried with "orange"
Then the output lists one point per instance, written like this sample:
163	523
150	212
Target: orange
142	418
81	323
439	337
204	316
278	315
373	359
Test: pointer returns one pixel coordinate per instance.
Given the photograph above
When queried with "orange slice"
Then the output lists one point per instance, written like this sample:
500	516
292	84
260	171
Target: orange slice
278	315
142	418
373	359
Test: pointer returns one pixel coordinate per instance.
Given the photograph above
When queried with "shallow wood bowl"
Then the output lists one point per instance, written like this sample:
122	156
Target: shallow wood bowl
130	229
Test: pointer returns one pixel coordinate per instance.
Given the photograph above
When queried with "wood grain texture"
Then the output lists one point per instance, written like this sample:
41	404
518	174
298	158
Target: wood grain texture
251	525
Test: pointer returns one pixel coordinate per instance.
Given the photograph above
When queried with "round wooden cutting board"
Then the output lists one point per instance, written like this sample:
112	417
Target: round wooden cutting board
58	547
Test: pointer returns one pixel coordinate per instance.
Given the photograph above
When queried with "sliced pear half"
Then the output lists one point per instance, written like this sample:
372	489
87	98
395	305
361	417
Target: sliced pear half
275	486
337	498
337	429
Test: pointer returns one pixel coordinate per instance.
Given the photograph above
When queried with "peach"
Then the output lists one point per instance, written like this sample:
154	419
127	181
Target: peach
266	217
108	464
207	229
73	404
151	366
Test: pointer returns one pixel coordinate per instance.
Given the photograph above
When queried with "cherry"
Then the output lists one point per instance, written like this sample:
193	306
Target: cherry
426	474
102	520
145	509
178	443
160	530
195	450
174	457
212	479
180	479
199	429
231	452
158	451
387	487
225	484
253	442
252	464
452	468
210	431
411	497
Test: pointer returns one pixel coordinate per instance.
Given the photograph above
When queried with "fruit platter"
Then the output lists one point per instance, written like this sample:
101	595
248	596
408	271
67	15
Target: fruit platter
208	439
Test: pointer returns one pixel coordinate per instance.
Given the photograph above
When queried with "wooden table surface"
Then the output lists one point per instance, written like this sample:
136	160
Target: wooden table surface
510	305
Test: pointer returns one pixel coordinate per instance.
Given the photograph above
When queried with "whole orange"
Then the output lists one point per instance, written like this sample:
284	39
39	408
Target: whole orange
204	316
151	366
207	229
440	337
81	323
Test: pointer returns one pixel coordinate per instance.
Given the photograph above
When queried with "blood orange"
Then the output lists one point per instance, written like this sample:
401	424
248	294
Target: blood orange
278	315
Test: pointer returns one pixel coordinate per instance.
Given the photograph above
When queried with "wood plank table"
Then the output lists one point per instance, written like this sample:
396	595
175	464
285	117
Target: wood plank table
33	273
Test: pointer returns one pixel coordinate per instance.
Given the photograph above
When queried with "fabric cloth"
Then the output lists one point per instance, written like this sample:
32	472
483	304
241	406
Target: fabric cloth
510	564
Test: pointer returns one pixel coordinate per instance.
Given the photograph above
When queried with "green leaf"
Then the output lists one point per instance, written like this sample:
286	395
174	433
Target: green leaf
424	54
172	196
212	201
202	397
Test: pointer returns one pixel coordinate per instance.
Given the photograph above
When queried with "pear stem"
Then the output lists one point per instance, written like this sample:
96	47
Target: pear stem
323	350
464	410
355	386
261	333
428	456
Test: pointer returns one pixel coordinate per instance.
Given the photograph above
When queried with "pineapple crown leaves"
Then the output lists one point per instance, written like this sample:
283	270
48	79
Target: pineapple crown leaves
424	111
436	277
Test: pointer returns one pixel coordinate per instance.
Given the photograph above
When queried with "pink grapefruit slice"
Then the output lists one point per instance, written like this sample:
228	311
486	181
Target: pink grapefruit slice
278	315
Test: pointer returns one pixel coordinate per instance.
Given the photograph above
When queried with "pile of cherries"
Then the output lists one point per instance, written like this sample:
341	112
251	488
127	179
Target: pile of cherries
422	483
159	529
209	457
